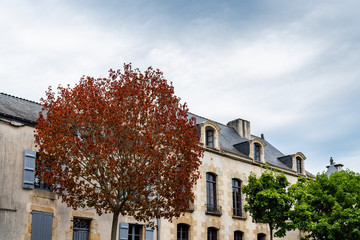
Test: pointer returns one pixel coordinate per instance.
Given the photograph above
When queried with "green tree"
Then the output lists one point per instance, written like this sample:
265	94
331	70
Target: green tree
327	207
268	200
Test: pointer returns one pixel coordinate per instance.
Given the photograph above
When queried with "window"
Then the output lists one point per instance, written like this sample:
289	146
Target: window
81	229
134	232
212	233
41	226
209	134
37	183
30	174
211	192
236	192
261	236
182	232
257	152
238	235
298	165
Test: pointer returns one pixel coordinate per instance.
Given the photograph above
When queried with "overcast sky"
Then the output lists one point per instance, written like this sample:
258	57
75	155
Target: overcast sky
289	67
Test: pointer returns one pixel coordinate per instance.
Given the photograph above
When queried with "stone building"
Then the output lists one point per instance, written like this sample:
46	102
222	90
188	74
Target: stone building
333	167
30	210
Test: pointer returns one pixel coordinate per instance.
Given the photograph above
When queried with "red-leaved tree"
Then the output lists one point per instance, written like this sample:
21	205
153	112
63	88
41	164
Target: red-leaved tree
122	144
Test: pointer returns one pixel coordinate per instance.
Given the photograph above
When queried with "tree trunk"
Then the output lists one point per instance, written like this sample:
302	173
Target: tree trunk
271	233
114	225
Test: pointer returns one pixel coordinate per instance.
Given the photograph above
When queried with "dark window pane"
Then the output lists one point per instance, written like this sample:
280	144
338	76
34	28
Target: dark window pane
182	232
238	235
236	191
212	233
211	191
209	137
134	232
298	165
261	236
256	152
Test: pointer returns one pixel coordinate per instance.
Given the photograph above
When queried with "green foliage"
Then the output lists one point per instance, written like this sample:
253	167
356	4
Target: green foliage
268	200
327	207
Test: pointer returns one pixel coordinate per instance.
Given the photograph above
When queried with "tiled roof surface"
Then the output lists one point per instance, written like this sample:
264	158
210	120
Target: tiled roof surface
18	108
228	137
28	111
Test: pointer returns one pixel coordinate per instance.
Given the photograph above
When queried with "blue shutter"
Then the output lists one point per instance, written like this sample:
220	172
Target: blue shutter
41	226
124	231
29	169
149	233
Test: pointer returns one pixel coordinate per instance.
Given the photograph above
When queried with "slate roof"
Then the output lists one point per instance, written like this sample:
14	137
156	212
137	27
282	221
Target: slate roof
228	137
26	111
19	109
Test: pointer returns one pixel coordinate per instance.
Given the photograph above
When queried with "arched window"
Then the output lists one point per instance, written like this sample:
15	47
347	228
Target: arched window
211	192
212	233
257	152
298	165
182	231
209	137
236	192
238	235
261	236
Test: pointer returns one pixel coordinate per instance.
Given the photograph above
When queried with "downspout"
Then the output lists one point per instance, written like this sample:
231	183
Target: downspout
158	229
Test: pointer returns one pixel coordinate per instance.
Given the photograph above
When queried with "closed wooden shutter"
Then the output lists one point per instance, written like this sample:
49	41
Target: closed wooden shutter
149	233
29	169
41	226
81	229
124	231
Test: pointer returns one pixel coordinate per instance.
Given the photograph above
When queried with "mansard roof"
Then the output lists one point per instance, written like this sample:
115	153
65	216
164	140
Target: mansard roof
228	138
19	109
26	111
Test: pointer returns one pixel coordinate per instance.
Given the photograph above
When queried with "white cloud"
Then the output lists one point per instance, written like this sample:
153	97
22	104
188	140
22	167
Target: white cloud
294	69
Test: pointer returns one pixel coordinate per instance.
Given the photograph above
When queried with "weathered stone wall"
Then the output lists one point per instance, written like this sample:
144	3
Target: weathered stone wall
226	169
16	203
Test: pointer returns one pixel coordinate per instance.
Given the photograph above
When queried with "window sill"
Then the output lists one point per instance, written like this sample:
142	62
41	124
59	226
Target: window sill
213	213
44	194
243	217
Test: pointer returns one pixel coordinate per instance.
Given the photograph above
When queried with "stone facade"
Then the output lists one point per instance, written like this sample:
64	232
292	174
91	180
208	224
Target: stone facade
229	155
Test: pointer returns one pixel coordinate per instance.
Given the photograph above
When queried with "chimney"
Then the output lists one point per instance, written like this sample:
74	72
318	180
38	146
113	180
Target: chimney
242	127
262	136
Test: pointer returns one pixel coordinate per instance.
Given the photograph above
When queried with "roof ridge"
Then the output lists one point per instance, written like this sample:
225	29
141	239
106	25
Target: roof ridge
208	119
6	94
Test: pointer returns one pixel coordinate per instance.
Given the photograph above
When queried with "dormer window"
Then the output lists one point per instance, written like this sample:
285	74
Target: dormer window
298	165
257	148
209	132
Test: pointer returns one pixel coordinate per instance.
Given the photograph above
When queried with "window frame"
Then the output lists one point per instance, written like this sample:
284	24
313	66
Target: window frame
238	235
211	196
261	236
210	137
236	194
37	183
257	152
298	165
182	232
132	231
212	233
81	229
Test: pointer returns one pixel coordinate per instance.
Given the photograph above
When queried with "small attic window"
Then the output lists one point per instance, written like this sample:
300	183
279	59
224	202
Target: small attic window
257	152
209	137
298	165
